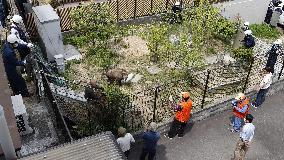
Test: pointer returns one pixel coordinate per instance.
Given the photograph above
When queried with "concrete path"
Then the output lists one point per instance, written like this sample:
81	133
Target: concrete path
250	10
210	139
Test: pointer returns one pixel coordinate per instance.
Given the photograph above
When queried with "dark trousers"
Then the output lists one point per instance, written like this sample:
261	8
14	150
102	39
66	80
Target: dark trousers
126	153
17	83
260	98
177	128
145	153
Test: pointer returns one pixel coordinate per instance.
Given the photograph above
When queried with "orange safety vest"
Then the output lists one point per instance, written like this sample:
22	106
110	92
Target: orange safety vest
184	114
241	105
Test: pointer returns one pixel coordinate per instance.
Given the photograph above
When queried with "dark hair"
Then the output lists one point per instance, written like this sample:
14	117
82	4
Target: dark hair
187	98
249	117
268	69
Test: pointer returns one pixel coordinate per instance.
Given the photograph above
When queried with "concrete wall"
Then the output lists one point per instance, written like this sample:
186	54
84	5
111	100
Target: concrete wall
5	101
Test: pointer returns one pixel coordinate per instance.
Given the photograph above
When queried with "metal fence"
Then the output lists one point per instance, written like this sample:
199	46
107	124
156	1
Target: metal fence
207	88
60	121
121	10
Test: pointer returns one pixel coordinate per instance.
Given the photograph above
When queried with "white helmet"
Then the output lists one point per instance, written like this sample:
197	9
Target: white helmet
17	19
12	38
248	32
246	23
278	41
177	3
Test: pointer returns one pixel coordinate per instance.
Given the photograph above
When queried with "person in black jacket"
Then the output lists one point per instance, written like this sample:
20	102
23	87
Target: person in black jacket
273	53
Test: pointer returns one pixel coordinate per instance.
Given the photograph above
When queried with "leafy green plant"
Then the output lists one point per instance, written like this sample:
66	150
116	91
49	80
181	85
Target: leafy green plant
264	31
243	54
92	24
224	29
101	57
158	38
117	103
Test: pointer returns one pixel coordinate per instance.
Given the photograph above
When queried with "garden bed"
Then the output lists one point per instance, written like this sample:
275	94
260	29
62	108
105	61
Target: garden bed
172	56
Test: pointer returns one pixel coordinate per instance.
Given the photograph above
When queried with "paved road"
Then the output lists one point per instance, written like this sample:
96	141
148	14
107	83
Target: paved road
211	140
250	10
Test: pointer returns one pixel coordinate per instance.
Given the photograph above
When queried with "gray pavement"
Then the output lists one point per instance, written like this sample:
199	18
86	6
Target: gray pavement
250	10
210	139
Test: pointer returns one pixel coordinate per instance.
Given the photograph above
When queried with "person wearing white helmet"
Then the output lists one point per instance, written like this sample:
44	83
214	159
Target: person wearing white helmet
272	54
10	60
17	30
246	26
248	41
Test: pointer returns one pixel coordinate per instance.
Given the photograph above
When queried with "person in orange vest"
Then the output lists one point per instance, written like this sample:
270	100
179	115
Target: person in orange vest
240	110
182	116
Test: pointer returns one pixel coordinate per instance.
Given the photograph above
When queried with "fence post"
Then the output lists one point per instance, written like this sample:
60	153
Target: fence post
167	3
155	103
205	88
117	10
89	120
280	74
151	7
135	8
247	78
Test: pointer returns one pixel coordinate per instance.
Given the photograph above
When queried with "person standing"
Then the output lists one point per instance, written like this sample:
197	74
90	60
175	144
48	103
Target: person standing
240	110
17	30
182	116
276	49
124	140
277	11
151	138
263	87
245	138
17	83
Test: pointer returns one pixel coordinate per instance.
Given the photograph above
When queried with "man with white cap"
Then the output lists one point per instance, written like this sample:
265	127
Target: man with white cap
17	83
17	30
240	110
246	26
249	41
276	49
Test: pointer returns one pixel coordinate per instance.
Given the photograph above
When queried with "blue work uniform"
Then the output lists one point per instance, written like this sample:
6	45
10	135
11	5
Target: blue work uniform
17	83
22	34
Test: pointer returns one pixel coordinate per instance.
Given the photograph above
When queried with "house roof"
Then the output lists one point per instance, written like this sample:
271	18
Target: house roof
98	147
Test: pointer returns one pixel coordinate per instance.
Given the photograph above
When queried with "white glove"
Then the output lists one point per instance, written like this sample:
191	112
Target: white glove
171	98
25	62
30	45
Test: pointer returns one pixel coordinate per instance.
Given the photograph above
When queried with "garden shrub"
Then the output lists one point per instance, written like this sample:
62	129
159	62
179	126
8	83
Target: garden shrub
93	24
264	31
101	56
224	29
243	54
